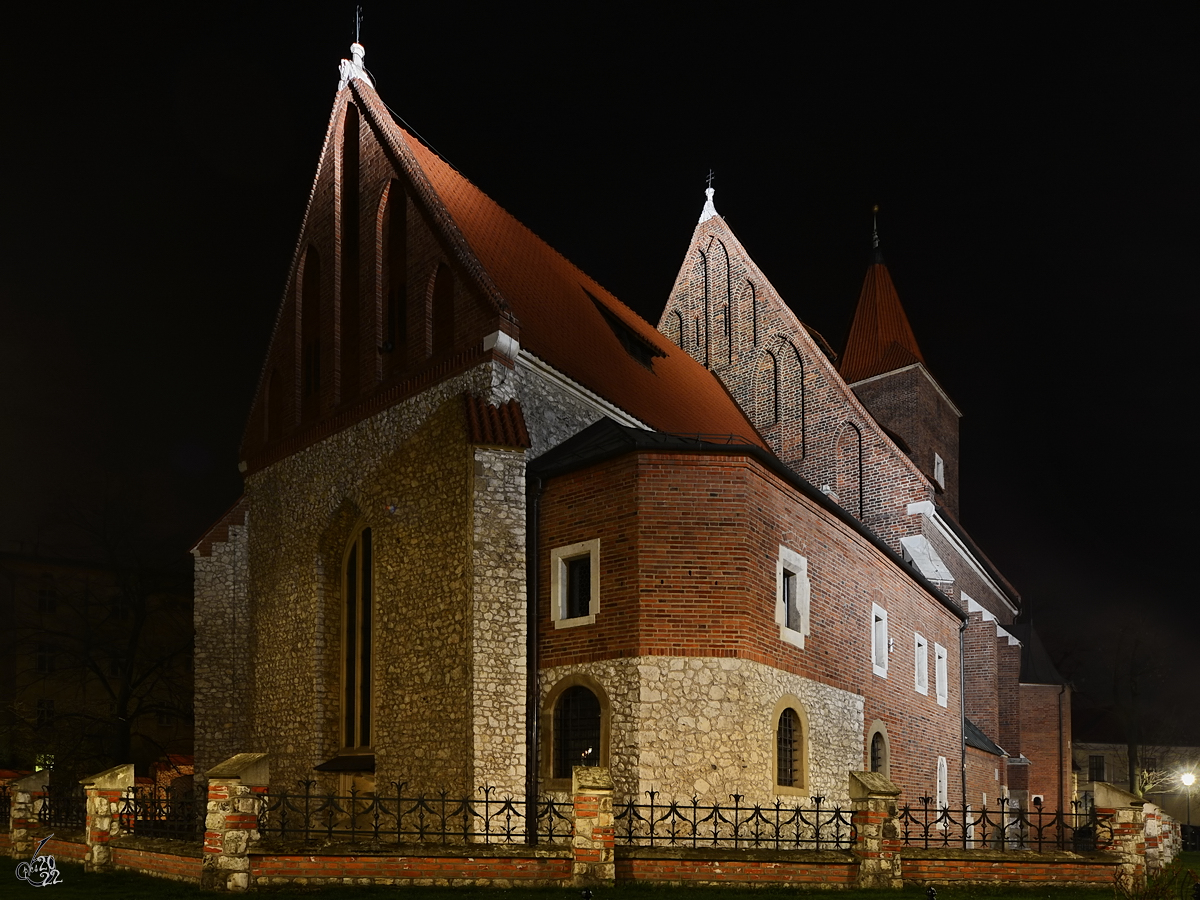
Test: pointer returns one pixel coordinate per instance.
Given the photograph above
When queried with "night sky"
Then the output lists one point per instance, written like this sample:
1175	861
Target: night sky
1038	197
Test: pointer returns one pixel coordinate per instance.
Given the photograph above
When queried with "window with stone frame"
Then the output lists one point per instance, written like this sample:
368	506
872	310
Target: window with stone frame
878	753
1096	768
943	784
793	592
358	590
575	584
879	640
577	731
940	675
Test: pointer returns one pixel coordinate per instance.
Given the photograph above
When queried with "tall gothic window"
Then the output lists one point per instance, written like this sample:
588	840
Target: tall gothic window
358	593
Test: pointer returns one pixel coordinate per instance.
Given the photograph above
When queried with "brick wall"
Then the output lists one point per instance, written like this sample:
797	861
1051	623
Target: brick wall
1044	743
778	373
689	546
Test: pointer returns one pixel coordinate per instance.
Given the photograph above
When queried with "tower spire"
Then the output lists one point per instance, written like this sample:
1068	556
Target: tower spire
709	209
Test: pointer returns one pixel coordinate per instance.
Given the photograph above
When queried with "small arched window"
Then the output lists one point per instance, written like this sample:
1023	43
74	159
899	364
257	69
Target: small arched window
879	751
788	738
576	730
441	312
357	621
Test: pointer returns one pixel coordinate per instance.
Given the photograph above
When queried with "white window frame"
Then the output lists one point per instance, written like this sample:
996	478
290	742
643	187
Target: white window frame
921	664
559	557
880	645
791	571
939	469
940	674
943	784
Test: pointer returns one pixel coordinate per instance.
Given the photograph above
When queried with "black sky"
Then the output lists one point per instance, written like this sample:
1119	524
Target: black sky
1036	175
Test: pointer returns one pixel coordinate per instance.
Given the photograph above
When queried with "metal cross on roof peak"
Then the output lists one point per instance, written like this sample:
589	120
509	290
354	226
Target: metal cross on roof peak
710	177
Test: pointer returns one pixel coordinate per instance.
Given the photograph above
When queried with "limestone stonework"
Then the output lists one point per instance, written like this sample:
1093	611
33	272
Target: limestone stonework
703	727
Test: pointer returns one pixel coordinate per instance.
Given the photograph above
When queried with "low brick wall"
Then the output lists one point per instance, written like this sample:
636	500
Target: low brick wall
946	866
72	847
176	860
420	865
721	866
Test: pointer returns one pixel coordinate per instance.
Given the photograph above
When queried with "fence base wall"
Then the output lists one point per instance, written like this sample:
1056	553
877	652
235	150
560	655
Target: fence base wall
724	867
65	848
545	868
180	862
925	867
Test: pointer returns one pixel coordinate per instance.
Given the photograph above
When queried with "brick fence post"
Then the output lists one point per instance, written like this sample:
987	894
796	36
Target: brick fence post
592	790
235	796
1127	814
877	834
103	821
26	794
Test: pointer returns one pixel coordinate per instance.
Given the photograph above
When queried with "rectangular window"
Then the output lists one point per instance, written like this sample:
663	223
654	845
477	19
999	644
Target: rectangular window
45	712
879	640
940	675
579	586
943	784
792	593
47	601
939	470
1096	768
575	584
921	649
45	658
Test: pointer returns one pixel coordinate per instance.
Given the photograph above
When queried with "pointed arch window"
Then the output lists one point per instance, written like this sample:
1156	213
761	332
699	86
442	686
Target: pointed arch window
791	756
358	587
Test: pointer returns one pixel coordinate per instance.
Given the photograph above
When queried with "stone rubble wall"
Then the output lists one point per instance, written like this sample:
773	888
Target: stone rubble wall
223	675
703	726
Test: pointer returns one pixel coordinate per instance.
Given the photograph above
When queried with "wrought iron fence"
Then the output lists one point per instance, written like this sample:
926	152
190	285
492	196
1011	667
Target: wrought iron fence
397	817
749	826
64	808
1005	828
159	812
5	807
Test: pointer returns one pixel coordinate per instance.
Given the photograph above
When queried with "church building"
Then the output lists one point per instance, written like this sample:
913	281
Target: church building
496	525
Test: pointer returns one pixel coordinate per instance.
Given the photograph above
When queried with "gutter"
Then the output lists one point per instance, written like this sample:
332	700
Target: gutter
533	498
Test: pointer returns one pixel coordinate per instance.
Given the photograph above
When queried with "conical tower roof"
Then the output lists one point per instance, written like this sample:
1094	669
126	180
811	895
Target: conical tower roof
881	340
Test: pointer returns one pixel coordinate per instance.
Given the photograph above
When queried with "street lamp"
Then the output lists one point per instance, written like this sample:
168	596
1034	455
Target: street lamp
1188	780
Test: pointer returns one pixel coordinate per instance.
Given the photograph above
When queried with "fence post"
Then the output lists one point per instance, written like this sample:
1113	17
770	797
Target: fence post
235	790
592	790
102	821
877	833
23	813
1126	812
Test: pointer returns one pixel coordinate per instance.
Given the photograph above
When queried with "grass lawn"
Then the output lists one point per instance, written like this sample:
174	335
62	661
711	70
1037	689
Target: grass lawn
127	886
75	884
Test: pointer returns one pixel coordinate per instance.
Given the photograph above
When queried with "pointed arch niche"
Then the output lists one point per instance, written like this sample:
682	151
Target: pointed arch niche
439	310
766	394
393	278
310	335
350	299
849	469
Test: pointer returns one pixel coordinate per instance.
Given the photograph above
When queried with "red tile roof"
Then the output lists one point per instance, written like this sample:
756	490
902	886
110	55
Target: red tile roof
495	426
558	320
881	339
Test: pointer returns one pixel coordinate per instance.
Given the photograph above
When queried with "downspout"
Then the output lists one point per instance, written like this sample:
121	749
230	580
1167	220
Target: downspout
1062	690
533	497
962	706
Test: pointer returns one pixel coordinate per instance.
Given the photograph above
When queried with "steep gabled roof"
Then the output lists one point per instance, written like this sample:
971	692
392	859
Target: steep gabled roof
565	318
881	340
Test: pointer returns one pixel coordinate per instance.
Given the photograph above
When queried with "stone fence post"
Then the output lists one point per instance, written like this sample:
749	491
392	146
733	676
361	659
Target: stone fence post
592	790
877	840
103	820
26	794
1127	814
235	797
